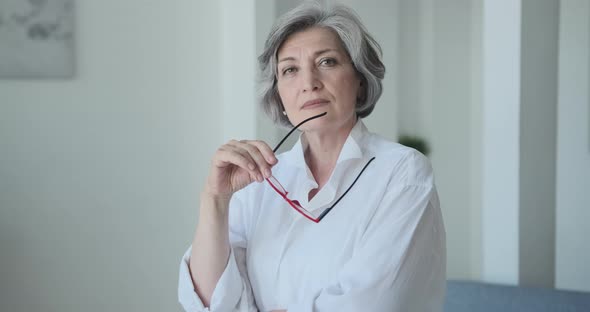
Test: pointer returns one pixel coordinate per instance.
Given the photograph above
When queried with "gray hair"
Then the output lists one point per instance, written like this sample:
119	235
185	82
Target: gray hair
364	52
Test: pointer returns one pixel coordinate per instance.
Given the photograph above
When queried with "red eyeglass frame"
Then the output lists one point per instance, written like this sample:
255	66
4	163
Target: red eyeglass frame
297	206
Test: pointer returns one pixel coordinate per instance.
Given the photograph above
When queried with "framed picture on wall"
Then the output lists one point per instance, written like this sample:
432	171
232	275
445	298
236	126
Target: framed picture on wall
36	39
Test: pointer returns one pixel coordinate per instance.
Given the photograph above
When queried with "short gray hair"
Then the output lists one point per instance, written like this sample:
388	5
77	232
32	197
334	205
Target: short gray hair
365	54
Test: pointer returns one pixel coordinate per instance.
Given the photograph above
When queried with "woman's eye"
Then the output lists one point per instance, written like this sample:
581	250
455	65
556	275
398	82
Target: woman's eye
328	62
289	70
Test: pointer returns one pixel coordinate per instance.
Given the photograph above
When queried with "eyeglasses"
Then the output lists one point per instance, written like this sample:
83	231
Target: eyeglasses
315	216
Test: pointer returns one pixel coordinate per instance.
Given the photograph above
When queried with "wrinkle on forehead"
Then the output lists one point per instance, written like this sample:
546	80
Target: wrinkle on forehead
316	39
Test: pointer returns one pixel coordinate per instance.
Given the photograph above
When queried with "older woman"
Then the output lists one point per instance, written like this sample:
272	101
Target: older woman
345	220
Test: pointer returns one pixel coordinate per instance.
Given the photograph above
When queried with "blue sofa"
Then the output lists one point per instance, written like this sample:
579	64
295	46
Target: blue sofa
469	296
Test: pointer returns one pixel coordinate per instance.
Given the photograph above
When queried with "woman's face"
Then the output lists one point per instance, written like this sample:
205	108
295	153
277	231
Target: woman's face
315	75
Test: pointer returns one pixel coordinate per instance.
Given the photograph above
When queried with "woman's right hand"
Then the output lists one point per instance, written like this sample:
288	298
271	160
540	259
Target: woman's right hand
237	164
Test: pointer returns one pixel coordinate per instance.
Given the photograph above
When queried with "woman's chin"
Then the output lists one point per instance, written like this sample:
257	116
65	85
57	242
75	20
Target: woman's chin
319	125
328	122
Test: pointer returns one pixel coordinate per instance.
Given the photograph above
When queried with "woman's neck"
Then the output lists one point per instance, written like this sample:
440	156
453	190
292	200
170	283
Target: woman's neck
324	149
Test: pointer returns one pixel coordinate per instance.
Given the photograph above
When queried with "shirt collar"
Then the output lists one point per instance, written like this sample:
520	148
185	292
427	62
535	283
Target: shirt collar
352	149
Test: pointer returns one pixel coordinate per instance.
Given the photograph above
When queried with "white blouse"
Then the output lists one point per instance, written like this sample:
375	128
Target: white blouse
381	248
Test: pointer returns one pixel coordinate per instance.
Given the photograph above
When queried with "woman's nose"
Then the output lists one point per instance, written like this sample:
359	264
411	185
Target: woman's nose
311	80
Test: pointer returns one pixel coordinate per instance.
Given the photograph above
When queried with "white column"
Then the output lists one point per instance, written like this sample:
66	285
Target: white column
500	138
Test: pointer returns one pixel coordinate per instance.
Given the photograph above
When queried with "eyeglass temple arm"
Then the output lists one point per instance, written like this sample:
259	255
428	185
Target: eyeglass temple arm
288	134
344	194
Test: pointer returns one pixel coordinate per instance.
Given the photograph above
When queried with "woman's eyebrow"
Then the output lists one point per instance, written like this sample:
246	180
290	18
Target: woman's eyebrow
288	58
316	54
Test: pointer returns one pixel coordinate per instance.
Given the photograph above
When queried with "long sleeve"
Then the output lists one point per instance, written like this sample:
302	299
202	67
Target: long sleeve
400	264
233	291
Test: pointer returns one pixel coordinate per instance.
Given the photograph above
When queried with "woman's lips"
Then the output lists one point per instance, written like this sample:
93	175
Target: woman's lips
314	103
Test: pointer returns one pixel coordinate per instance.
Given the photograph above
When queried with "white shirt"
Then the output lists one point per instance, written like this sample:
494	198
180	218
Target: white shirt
382	247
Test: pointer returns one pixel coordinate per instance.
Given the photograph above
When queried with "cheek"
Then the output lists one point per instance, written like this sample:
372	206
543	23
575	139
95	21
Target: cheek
285	94
350	88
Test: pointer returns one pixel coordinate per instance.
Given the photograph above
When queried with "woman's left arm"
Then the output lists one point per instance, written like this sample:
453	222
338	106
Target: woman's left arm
400	264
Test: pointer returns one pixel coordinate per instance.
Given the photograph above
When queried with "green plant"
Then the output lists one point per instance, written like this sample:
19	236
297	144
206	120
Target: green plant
415	142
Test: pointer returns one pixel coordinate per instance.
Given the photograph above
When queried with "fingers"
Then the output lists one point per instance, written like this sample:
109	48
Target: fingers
265	150
259	153
228	154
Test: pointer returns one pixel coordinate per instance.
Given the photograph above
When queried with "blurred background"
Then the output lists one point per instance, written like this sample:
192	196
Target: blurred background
100	172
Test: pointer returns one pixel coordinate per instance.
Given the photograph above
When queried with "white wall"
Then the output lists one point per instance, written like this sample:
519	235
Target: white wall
573	148
237	29
435	82
450	112
100	175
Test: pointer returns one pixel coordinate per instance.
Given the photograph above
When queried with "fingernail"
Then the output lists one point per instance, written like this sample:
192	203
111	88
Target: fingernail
267	173
251	166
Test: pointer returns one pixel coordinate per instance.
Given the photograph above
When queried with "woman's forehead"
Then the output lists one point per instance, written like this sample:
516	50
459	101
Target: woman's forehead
316	40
